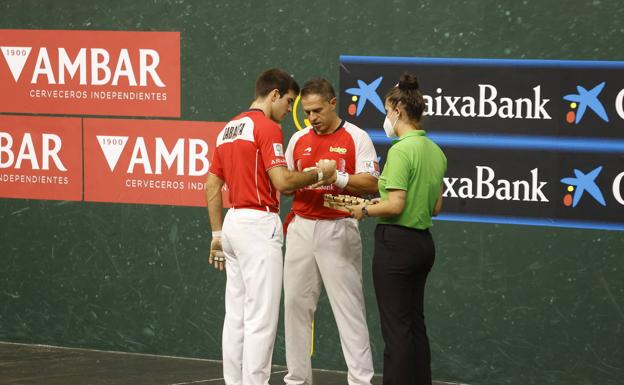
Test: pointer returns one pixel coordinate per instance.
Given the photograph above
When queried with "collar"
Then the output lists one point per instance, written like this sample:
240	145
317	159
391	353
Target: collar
342	123
410	134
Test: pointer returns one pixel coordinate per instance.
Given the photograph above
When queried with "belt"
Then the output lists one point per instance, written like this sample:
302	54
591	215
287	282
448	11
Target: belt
268	209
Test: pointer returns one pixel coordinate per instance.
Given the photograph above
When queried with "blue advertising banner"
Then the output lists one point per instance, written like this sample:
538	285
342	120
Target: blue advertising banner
532	142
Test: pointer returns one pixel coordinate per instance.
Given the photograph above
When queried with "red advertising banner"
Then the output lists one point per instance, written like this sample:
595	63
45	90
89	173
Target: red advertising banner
118	73
148	161
40	158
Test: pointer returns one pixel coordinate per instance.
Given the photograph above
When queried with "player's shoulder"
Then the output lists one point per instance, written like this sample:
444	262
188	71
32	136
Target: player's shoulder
243	118
263	127
260	119
350	126
299	135
354	130
360	137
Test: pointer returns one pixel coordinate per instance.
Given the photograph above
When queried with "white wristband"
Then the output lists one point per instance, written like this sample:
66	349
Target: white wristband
216	234
319	173
342	179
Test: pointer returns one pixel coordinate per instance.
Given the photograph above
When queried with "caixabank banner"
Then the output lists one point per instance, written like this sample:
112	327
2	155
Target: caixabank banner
148	161
40	158
113	73
536	142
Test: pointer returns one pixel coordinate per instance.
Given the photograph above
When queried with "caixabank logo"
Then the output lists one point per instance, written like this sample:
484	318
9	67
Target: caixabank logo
582	101
148	161
591	101
484	101
517	97
589	186
591	196
484	184
580	184
487	102
119	73
365	93
527	141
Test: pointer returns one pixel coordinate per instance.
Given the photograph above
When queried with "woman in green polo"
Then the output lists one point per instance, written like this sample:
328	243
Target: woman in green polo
410	187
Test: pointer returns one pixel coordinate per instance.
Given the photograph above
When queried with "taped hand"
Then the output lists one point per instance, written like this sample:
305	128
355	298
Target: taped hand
217	256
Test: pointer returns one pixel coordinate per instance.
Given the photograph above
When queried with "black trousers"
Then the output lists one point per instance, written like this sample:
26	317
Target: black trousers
403	258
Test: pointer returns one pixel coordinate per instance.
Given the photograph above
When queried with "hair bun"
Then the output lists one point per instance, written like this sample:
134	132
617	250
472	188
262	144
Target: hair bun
408	82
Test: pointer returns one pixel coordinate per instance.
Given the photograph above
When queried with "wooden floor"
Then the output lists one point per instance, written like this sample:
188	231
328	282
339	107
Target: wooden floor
22	364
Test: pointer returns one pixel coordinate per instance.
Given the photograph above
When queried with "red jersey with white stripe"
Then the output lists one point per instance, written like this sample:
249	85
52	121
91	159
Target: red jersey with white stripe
247	147
349	146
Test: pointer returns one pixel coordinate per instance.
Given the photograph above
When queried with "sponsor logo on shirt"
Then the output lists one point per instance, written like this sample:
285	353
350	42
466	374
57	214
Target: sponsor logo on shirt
278	149
307	151
372	168
339	150
231	132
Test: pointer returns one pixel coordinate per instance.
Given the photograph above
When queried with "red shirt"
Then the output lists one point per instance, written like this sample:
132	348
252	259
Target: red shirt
247	147
349	146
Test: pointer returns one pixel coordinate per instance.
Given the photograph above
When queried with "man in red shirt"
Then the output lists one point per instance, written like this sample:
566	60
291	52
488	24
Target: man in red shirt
324	244
249	157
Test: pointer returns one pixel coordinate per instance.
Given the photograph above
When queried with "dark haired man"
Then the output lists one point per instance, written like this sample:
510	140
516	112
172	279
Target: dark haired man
249	157
324	244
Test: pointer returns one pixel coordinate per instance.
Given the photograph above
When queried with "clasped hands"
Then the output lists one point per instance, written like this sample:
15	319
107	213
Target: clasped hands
328	168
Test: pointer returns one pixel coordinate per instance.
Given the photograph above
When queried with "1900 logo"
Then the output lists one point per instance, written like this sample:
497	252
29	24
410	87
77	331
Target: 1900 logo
148	161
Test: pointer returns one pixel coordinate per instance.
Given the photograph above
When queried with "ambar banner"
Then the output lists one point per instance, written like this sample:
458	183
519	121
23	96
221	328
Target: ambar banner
528	141
114	73
148	161
40	158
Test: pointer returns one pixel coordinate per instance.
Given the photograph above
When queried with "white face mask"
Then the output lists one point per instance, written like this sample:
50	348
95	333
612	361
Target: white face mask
388	127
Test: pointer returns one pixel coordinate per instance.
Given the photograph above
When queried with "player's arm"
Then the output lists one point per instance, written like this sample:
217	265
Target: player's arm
360	184
214	184
214	201
270	145
438	205
286	180
393	206
397	179
290	161
363	181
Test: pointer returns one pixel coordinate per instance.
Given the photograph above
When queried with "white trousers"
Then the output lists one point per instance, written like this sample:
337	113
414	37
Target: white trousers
331	251
252	241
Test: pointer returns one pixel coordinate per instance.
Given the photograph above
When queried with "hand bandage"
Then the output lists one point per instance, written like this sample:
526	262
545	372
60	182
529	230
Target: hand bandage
342	179
216	251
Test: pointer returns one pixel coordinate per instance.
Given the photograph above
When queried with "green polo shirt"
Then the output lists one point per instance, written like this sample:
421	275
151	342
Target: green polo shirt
417	165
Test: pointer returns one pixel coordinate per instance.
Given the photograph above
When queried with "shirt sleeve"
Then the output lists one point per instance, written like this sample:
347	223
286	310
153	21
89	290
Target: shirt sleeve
269	138
290	161
216	166
397	170
366	156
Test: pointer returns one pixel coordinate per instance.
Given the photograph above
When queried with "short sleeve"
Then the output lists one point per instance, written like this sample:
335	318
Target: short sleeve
397	170
290	161
366	156
216	167
269	139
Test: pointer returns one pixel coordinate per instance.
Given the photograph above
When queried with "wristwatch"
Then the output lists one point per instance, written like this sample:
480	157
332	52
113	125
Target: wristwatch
364	212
